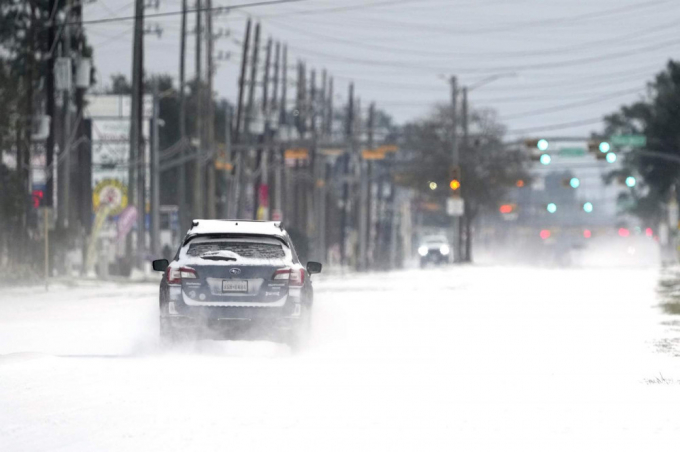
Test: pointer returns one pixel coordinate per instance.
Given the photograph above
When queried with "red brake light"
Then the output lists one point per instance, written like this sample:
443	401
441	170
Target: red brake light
172	275
187	273
295	277
545	234
623	232
175	275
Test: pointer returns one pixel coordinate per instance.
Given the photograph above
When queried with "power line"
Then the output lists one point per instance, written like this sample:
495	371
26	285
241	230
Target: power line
572	105
176	13
558	126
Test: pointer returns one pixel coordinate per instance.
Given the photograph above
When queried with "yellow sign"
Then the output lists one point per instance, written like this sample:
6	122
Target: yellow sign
220	165
369	154
296	154
387	148
111	192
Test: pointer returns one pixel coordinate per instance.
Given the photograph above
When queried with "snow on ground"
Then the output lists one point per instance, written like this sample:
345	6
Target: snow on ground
466	358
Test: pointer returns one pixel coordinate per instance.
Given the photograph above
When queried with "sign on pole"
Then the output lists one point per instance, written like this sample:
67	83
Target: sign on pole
372	154
455	207
634	141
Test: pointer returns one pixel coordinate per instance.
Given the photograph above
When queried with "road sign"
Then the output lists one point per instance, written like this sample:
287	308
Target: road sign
296	154
571	152
455	207
634	141
226	166
372	154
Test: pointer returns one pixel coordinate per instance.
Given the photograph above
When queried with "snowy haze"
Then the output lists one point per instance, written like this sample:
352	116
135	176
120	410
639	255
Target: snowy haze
465	358
573	61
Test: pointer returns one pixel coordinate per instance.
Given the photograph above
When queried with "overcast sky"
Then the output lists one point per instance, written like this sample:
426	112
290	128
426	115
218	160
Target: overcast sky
573	60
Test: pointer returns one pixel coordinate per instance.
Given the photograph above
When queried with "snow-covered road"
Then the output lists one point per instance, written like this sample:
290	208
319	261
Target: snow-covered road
470	358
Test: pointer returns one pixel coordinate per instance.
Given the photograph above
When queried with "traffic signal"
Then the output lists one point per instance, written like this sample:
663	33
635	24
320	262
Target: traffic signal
519	183
610	157
631	181
545	159
37	198
551	207
507	208
574	182
455	178
539	143
588	207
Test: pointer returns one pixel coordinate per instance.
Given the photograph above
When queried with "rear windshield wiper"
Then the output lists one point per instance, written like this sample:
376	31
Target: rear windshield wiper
218	258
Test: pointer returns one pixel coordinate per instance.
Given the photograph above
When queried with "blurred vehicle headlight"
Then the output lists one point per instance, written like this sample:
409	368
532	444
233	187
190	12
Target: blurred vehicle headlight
422	250
444	249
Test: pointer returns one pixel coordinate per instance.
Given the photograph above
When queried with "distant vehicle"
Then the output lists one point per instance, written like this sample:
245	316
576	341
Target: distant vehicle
236	280
434	249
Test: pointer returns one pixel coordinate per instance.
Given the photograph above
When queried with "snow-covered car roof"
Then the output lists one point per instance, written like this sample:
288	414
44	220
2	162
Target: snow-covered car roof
202	227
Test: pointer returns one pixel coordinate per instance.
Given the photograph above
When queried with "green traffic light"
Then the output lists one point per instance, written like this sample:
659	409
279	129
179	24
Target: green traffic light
551	208
630	181
588	207
605	147
545	159
611	157
542	145
574	182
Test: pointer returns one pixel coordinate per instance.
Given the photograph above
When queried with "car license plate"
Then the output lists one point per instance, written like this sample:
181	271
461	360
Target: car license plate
231	285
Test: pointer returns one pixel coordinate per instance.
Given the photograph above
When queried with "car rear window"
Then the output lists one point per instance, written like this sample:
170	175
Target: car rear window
254	250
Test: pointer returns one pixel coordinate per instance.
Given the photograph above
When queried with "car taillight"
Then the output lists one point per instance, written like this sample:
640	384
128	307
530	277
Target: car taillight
175	275
188	273
295	277
172	275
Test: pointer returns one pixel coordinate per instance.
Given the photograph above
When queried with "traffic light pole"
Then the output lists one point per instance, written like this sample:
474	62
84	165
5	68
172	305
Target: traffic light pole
455	161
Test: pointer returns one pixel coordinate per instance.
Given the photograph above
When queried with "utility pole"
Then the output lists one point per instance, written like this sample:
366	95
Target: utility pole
275	150
64	176
349	130
235	204
455	161
182	179
249	192
198	211
329	120
263	188
210	126
155	176
49	108
134	124
363	198
465	226
278	175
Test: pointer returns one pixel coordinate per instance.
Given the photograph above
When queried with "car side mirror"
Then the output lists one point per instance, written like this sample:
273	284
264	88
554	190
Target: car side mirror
313	267
160	265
